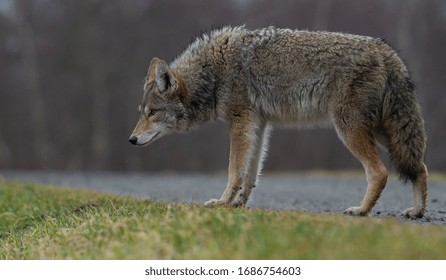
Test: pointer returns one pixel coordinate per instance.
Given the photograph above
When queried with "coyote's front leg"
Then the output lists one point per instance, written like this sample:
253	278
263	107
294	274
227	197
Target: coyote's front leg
250	179
243	137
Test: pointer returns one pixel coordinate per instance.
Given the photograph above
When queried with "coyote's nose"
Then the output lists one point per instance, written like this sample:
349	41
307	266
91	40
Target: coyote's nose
133	139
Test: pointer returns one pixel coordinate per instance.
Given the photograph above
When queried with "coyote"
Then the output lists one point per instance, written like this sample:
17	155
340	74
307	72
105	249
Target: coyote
256	79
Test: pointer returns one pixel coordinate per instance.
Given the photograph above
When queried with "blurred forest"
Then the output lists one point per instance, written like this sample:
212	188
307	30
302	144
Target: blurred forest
71	77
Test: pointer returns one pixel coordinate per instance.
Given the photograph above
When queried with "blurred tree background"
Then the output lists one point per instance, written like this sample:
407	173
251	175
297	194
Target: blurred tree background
71	77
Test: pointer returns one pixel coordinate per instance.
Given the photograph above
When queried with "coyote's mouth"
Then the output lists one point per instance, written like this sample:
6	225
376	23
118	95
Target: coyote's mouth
144	141
150	140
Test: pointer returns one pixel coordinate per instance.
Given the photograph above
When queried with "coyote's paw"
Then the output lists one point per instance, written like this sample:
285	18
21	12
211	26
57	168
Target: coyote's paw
355	211
213	203
413	213
238	202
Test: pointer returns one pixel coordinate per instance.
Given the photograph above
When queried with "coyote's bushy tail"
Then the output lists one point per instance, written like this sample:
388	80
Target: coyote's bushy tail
403	122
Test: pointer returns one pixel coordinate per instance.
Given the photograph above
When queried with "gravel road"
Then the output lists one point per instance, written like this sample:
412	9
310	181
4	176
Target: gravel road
323	193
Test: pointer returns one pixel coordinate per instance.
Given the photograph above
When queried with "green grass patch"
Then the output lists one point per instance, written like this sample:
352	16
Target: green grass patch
43	222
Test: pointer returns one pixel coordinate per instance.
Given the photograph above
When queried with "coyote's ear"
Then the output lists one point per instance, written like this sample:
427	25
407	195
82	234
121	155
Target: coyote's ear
152	68
164	77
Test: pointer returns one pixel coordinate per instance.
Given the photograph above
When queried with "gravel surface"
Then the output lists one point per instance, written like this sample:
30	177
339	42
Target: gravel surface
324	193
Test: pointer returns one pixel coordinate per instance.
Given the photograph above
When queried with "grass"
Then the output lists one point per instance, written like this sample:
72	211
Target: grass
43	222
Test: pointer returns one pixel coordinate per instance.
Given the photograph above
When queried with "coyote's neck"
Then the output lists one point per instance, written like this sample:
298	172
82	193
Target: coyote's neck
198	92
198	67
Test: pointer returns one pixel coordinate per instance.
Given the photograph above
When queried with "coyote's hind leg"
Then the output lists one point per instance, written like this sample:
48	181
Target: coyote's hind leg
419	186
362	144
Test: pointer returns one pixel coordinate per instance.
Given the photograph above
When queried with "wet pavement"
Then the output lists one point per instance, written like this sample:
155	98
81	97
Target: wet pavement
311	192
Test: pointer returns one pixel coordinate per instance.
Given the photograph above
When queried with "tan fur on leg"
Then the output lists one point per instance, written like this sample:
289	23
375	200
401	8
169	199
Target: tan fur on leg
419	196
364	149
255	165
243	137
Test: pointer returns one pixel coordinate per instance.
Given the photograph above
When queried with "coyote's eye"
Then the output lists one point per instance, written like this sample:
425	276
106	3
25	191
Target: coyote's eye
148	112
151	112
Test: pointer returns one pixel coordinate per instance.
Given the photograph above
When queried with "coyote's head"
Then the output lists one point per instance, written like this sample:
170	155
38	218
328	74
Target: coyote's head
161	110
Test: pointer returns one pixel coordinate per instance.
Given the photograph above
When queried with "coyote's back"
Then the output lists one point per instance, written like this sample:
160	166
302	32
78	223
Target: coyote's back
255	79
